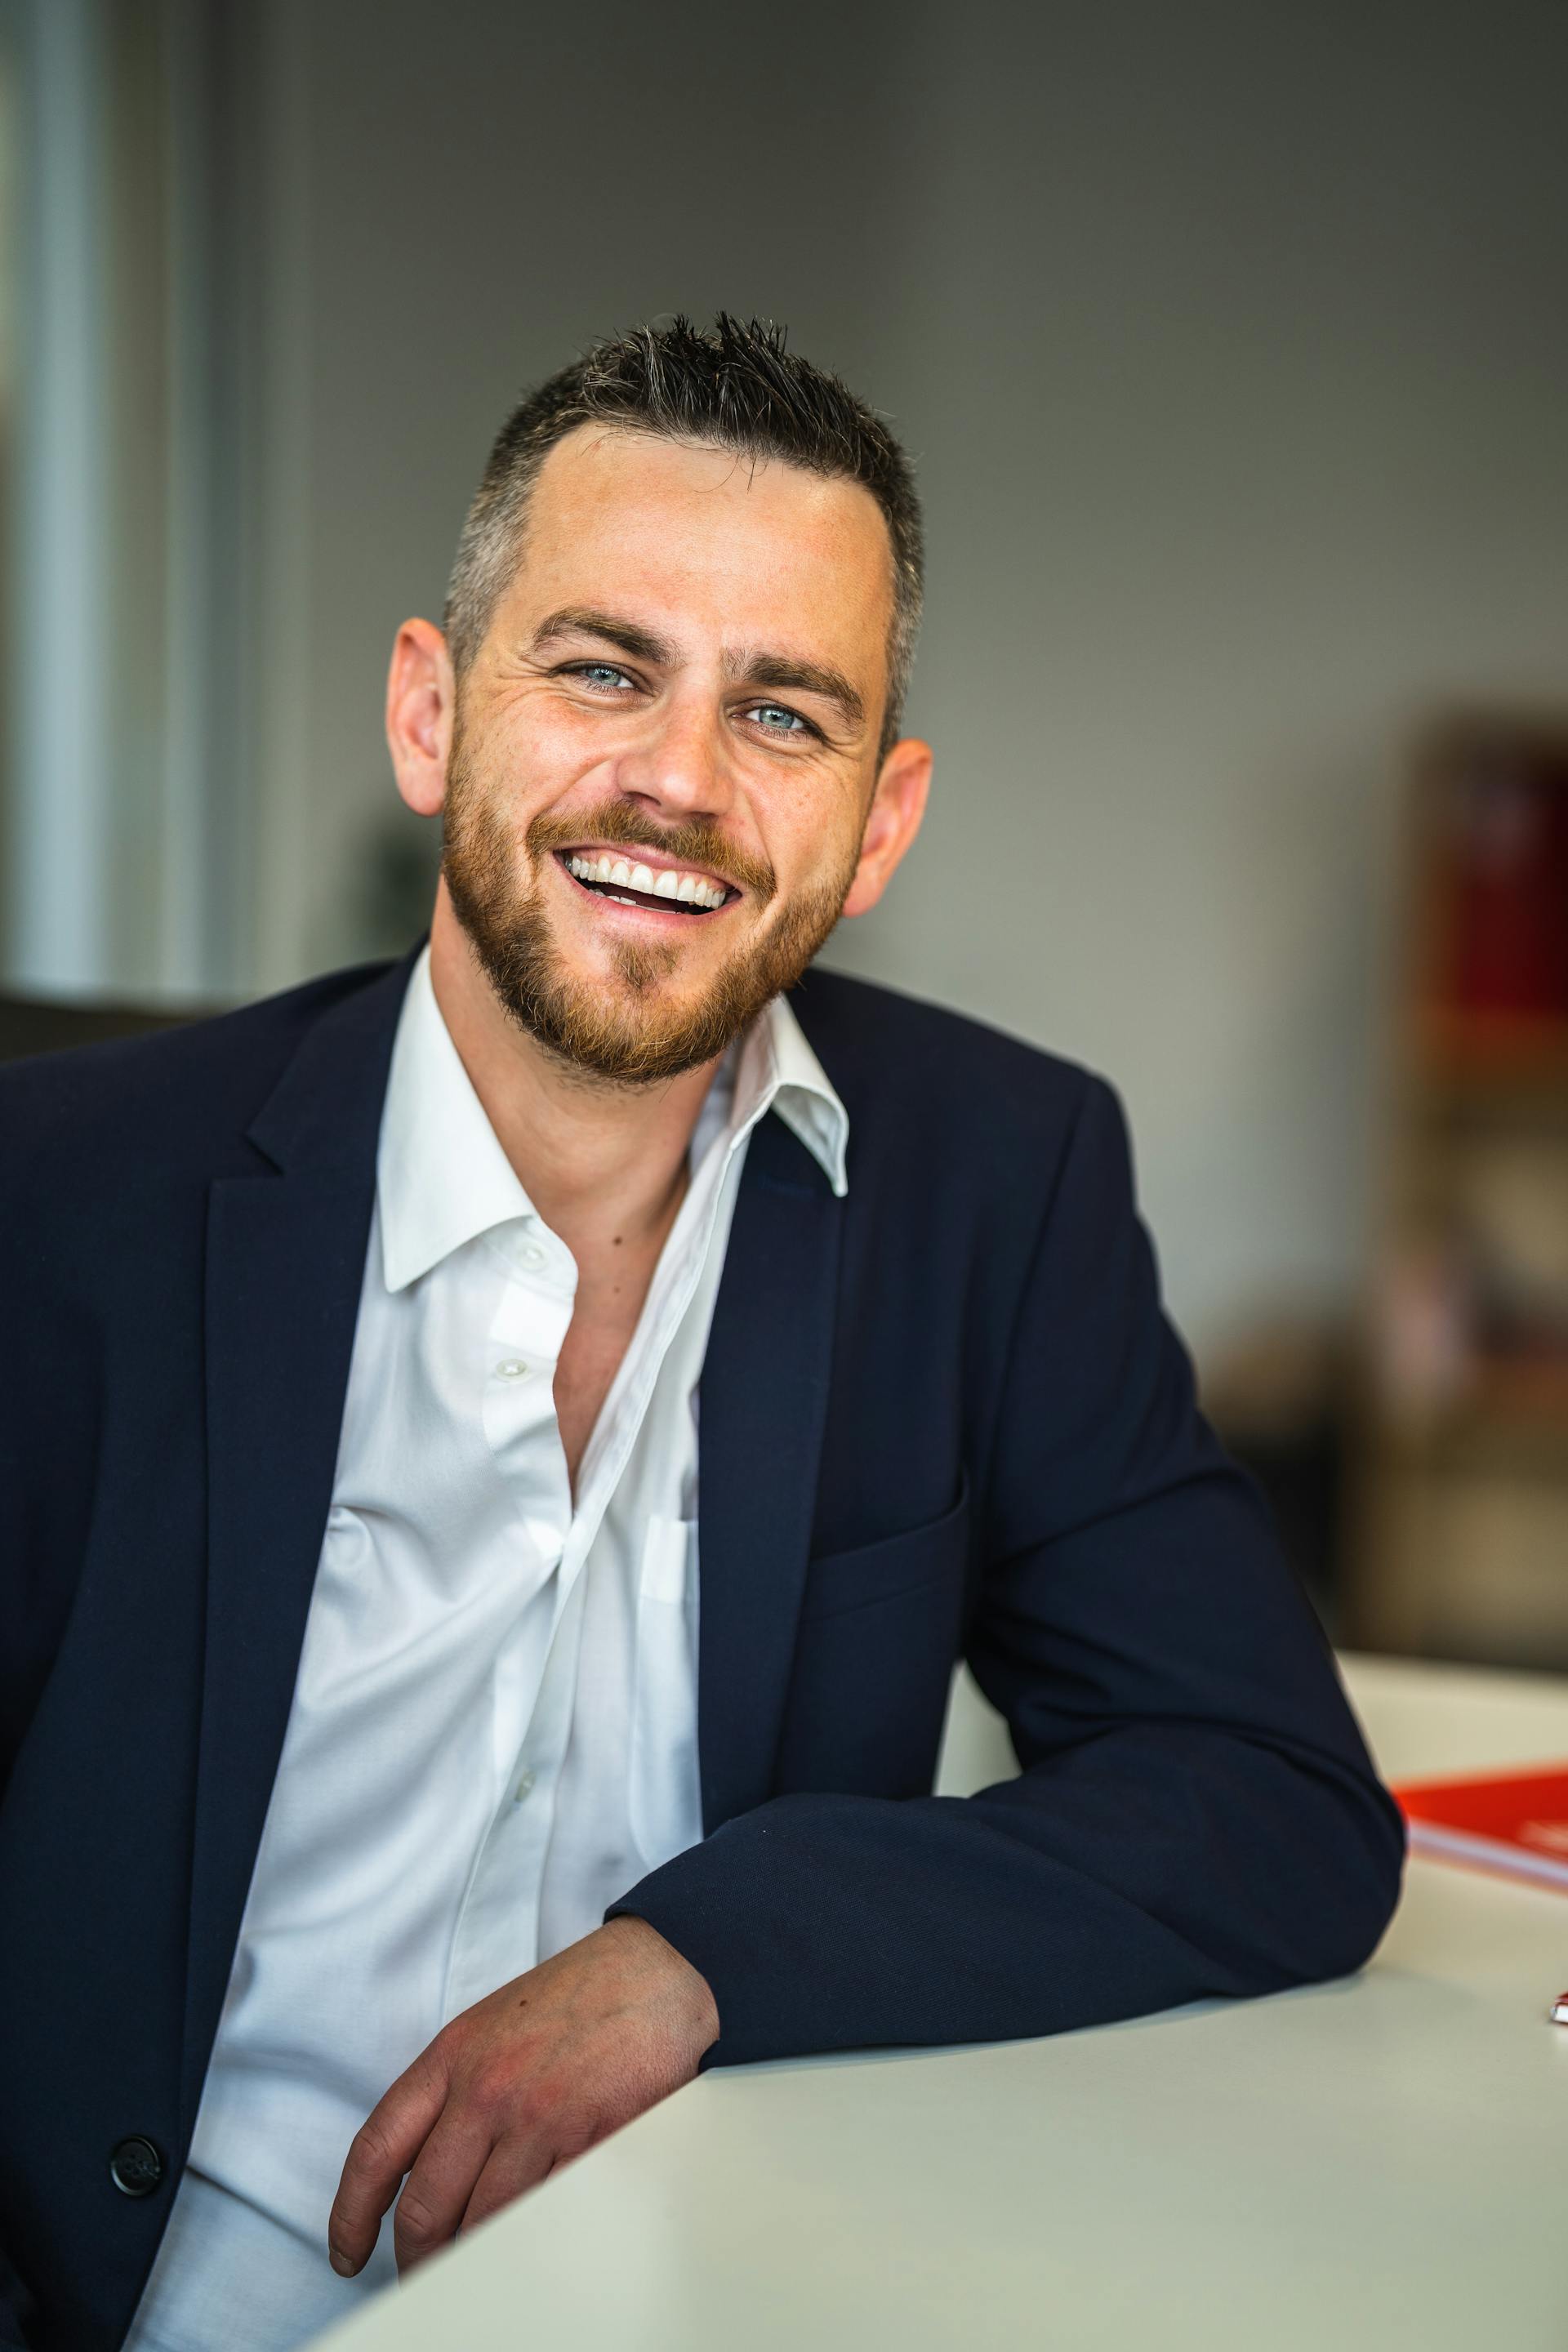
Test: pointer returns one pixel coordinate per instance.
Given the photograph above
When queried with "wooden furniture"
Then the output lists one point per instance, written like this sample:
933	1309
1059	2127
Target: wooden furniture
1364	2165
31	1025
1460	1546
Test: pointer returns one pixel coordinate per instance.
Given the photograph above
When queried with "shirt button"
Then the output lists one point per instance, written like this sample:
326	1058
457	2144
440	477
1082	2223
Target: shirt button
511	1368
524	1788
531	1254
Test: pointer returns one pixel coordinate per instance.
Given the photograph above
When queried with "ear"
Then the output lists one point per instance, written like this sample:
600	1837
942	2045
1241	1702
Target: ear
897	805
421	702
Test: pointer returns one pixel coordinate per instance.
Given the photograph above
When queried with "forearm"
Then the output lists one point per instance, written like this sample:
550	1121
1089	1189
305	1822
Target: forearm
1149	1867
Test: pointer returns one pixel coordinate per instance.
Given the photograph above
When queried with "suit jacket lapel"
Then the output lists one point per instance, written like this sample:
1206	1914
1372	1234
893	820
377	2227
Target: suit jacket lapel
764	1406
285	1261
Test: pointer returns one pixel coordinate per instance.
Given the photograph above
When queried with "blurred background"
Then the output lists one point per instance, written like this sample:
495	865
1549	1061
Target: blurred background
1232	345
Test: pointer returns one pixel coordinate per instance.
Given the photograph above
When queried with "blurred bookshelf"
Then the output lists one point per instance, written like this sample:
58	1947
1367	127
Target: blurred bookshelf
1458	1538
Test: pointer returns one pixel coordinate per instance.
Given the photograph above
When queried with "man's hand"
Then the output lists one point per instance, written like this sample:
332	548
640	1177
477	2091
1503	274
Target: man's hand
519	2084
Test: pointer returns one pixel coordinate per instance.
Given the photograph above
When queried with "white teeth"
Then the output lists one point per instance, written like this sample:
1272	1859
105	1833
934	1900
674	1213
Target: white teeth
688	889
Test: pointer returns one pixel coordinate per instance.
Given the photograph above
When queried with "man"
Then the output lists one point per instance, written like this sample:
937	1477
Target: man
508	1449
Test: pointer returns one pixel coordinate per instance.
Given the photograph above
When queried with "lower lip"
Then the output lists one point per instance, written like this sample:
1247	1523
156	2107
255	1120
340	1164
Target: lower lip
672	919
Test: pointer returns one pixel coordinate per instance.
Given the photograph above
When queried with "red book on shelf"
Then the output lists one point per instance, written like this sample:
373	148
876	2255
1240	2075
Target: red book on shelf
1515	1821
1508	847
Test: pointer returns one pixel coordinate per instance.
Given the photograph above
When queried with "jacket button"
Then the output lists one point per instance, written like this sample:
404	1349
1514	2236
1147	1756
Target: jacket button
136	2167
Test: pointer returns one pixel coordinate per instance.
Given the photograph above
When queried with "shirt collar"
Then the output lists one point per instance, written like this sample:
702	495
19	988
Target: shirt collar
778	1071
442	1178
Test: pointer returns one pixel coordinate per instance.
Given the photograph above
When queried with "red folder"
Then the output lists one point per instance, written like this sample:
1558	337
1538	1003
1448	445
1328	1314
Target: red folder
1516	1821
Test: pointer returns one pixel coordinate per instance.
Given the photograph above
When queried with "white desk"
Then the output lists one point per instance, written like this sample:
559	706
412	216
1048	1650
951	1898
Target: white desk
1382	2163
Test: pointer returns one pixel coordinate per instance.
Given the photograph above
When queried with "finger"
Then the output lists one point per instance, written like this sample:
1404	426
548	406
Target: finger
513	2167
436	2191
383	2148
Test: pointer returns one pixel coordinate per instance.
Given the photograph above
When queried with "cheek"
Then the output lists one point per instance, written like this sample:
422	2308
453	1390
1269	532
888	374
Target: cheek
829	853
813	839
539	746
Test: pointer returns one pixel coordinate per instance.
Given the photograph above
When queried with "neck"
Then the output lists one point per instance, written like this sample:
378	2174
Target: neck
589	1154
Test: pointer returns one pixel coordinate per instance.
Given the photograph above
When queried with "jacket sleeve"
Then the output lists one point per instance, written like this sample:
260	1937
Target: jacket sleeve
1195	1814
15	2306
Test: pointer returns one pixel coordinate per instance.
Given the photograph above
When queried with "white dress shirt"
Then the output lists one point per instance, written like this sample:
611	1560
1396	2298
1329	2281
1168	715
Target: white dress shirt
494	1726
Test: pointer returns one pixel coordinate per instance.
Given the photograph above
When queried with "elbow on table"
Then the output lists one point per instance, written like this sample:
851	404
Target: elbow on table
1344	1877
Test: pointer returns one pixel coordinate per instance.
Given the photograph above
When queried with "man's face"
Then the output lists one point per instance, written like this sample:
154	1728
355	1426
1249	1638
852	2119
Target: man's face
666	749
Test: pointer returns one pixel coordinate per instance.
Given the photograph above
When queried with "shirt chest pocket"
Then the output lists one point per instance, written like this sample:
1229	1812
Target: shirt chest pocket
665	1804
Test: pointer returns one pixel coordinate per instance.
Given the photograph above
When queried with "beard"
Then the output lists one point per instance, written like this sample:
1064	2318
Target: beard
639	1031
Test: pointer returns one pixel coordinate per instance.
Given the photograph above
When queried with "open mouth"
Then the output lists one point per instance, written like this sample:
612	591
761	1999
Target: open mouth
659	890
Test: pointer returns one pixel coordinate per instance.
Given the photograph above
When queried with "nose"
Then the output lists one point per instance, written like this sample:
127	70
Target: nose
681	770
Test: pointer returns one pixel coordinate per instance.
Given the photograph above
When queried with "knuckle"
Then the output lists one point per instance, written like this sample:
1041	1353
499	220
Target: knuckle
500	2097
370	2151
449	2043
415	2222
575	2138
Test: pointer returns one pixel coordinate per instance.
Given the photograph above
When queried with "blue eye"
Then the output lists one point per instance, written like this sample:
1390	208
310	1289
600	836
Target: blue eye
598	673
769	714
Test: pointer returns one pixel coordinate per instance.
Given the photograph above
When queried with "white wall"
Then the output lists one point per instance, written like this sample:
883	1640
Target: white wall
1233	344
455	217
1241	384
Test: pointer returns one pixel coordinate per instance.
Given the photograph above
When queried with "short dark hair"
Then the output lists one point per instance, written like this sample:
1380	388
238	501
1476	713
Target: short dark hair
731	387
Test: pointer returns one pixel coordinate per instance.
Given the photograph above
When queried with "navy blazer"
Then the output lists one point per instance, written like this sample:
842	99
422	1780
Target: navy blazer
945	1416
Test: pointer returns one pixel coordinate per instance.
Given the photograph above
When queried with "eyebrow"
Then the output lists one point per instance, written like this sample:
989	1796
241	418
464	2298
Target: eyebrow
581	621
779	671
803	677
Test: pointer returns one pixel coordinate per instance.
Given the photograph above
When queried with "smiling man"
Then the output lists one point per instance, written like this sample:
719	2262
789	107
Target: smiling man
507	1451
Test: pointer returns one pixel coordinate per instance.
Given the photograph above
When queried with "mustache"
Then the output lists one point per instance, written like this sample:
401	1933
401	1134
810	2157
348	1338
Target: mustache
619	824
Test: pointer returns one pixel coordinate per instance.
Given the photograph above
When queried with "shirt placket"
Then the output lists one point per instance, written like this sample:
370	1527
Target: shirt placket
498	1928
496	1932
